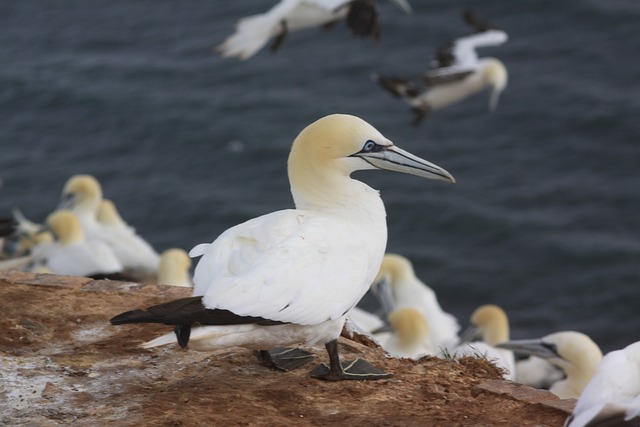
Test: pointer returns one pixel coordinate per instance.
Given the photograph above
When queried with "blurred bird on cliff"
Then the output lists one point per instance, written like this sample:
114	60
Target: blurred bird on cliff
291	276
253	32
455	74
397	287
174	268
612	397
490	323
573	352
101	221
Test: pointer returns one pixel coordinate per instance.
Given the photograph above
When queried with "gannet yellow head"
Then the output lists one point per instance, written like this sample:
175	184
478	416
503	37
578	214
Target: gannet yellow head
108	213
574	352
395	268
490	322
327	151
174	268
410	326
66	226
81	193
495	75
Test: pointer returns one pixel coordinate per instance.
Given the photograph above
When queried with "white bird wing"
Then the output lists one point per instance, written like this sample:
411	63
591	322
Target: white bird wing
614	388
291	266
83	259
463	52
253	32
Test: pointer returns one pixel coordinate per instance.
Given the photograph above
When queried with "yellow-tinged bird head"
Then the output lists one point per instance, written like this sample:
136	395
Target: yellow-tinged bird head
410	326
330	149
395	268
174	267
492	323
108	213
66	226
81	193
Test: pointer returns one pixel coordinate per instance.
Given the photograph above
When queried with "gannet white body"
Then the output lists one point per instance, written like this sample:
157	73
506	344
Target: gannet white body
612	397
82	194
573	352
403	289
492	324
174	268
537	372
72	254
253	32
291	276
457	73
136	253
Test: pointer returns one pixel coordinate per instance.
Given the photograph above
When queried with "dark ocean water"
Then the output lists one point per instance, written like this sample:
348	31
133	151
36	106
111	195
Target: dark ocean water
543	220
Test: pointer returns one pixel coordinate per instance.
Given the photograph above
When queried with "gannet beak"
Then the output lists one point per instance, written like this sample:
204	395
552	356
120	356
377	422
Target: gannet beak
67	201
470	334
535	347
382	291
392	158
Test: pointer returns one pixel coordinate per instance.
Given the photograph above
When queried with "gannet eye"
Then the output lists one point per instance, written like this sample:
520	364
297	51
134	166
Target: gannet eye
369	146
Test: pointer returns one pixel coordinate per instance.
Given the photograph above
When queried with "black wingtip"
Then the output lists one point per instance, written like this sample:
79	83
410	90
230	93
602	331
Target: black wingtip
362	19
474	20
133	316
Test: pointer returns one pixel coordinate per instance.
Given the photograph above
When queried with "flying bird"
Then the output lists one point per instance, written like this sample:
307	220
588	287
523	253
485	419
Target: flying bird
455	74
290	277
254	32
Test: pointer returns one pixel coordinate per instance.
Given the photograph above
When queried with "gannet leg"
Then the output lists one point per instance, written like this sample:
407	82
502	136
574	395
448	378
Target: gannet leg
280	37
284	359
419	114
354	370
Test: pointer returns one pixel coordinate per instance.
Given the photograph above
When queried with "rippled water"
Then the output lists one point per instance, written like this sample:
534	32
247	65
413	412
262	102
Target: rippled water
543	219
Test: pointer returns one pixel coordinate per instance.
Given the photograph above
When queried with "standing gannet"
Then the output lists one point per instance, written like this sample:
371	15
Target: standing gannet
573	352
72	254
174	268
291	276
491	323
82	194
456	74
411	334
253	32
612	397
398	287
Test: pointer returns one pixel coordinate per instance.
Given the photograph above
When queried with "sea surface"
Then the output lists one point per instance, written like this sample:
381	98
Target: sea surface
543	219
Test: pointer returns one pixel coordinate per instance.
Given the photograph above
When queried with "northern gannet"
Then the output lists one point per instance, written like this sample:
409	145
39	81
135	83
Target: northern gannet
411	334
253	32
290	277
174	268
573	352
490	323
612	397
82	194
398	287
72	254
456	74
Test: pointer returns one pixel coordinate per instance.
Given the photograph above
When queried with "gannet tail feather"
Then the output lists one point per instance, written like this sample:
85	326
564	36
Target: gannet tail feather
187	311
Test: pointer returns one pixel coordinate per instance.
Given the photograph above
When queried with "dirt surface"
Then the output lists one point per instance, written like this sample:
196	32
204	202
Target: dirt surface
62	363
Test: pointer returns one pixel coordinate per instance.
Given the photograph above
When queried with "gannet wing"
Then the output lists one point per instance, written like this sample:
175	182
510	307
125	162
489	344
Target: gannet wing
253	32
249	269
461	56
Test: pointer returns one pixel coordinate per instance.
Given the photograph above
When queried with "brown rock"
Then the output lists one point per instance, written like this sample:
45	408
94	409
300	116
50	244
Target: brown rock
54	331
